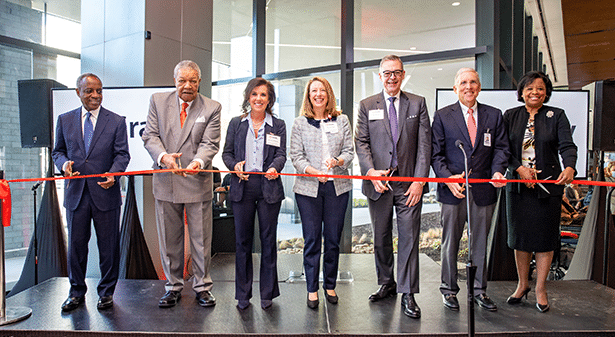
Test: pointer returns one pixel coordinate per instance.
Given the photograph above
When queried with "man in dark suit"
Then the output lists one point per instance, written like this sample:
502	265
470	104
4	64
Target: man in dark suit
393	139
91	140
481	130
183	131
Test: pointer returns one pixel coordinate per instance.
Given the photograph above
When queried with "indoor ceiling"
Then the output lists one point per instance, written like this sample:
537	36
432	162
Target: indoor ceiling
580	34
589	29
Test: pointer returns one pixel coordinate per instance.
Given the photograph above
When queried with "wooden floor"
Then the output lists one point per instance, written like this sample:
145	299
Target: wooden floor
578	308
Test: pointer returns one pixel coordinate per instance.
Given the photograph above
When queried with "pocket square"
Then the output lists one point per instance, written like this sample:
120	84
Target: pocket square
200	120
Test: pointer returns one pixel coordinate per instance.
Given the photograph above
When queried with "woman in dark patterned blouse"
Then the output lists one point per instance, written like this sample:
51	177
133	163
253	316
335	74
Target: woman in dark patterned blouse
536	133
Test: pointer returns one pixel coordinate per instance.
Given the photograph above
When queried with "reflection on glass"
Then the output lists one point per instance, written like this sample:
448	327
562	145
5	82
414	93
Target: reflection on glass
411	27
302	34
232	39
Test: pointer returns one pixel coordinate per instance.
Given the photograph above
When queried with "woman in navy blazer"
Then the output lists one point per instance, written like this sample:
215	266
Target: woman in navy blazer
256	142
536	134
321	143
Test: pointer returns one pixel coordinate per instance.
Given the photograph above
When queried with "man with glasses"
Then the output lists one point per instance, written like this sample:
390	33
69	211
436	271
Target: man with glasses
393	138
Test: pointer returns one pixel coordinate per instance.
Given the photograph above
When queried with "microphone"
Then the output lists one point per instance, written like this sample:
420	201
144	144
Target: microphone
459	144
37	185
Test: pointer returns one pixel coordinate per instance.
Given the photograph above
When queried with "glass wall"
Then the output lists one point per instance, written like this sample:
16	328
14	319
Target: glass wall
29	25
302	34
411	27
232	39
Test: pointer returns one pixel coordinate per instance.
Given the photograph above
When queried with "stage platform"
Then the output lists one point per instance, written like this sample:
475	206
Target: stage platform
578	308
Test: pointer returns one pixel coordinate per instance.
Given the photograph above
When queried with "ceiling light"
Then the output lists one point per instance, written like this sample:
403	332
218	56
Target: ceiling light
439	68
456	3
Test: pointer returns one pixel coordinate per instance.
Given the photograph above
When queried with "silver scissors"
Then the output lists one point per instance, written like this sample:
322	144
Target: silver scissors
542	186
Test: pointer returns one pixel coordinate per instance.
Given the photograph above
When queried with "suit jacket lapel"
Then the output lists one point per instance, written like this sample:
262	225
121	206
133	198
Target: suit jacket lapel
480	124
459	119
381	104
76	123
101	121
242	133
402	114
172	122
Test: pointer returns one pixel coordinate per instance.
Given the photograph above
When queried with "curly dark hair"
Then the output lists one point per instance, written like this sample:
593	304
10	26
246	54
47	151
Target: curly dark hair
528	79
253	83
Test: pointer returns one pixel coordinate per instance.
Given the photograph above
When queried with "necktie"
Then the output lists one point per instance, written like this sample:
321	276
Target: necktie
471	126
88	131
393	122
183	114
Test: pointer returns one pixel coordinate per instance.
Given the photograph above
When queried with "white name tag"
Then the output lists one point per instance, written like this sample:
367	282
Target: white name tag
272	140
376	114
487	139
330	127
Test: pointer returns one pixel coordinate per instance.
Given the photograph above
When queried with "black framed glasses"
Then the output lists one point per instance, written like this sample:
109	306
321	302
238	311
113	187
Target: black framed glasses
388	73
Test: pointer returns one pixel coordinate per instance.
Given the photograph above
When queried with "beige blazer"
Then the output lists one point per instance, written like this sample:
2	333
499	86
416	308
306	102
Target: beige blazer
199	138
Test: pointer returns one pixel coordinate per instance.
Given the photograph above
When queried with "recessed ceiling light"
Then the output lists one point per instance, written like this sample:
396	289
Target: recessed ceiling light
456	3
439	68
412	48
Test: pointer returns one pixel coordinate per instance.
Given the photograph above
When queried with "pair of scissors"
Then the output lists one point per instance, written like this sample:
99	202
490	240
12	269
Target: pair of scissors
542	186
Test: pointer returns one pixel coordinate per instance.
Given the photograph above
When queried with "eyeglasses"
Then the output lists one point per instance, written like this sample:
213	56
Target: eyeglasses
388	73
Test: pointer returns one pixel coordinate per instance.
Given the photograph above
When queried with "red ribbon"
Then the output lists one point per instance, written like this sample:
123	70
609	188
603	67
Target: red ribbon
5	196
5	191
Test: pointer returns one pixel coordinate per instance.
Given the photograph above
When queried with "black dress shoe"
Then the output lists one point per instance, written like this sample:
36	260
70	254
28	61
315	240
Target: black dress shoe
104	302
450	301
542	308
72	303
170	299
312	304
516	300
206	299
243	304
331	298
409	306
485	302
385	290
266	304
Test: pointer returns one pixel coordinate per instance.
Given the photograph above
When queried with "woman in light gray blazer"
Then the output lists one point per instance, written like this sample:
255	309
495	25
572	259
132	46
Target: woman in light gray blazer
321	143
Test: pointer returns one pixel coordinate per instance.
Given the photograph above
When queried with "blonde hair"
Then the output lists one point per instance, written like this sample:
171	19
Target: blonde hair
307	109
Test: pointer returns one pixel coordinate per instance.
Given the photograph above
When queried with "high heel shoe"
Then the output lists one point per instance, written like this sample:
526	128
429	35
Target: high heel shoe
312	304
542	308
331	298
517	300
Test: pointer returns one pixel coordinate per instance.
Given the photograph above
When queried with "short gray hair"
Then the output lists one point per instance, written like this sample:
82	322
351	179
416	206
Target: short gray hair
186	64
84	76
390	58
465	70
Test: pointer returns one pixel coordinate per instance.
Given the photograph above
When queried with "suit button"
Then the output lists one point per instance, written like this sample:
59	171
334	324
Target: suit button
86	160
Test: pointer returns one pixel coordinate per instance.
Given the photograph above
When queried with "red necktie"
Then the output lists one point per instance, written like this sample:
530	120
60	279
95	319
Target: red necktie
182	115
471	126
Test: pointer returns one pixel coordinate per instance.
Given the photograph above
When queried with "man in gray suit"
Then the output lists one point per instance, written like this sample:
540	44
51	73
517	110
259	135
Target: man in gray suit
393	138
183	131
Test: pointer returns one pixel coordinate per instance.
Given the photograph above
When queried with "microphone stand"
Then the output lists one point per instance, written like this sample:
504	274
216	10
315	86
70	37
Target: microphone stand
34	188
470	268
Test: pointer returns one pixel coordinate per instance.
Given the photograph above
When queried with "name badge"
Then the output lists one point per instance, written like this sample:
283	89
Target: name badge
330	127
272	140
487	139
376	114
